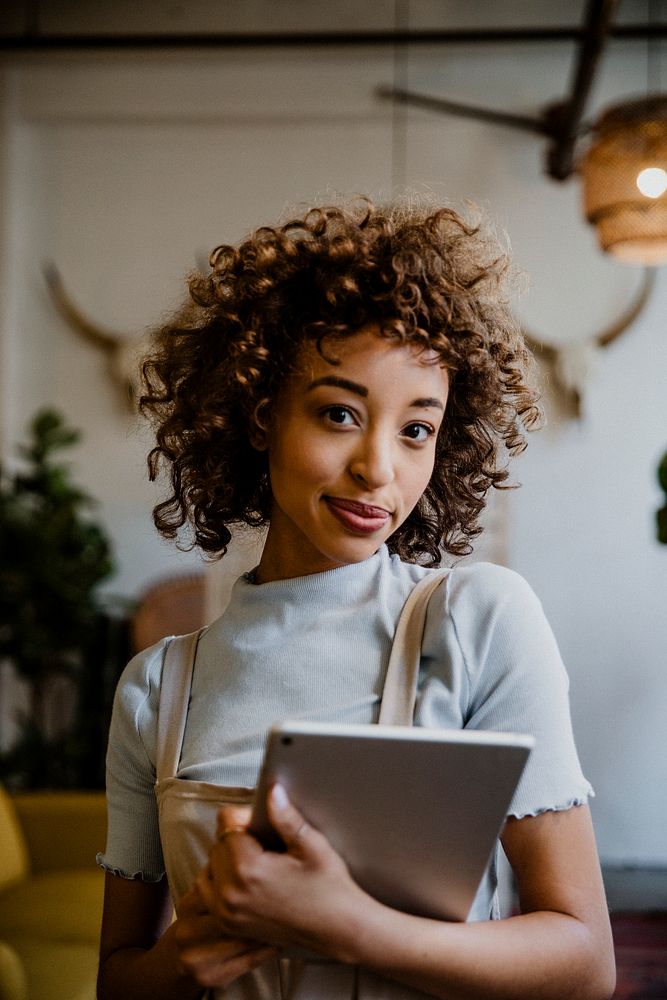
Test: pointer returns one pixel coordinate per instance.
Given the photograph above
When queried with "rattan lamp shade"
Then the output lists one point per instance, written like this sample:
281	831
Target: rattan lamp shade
627	139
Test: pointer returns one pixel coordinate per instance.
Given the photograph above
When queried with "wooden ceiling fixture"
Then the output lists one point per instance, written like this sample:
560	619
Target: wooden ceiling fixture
561	122
624	168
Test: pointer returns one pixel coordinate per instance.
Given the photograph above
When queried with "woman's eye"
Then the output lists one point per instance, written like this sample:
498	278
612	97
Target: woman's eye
418	432
339	415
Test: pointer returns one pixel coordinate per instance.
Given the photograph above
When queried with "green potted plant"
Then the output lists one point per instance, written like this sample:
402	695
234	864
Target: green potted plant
52	557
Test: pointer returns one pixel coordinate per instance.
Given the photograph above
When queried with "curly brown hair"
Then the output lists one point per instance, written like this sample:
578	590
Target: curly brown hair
425	277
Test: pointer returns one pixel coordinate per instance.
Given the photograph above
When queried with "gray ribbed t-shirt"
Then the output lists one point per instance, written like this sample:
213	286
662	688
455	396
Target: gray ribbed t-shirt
317	647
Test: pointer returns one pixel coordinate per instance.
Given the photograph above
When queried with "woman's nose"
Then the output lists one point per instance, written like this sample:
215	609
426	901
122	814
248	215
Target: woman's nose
373	463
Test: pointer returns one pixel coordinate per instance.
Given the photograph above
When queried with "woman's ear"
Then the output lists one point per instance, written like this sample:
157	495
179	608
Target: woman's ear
259	438
259	430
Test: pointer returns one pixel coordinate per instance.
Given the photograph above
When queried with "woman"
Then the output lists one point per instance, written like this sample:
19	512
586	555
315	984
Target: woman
353	380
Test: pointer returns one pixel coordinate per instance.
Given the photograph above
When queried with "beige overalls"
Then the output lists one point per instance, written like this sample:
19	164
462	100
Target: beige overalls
188	811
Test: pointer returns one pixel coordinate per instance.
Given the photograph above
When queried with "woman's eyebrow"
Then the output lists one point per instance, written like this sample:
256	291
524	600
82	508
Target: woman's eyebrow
428	401
345	383
339	383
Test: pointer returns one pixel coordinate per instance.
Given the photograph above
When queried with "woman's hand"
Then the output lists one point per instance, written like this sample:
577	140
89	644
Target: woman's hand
304	897
211	959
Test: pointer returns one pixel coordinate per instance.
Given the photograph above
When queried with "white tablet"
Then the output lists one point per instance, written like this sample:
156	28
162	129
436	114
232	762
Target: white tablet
414	812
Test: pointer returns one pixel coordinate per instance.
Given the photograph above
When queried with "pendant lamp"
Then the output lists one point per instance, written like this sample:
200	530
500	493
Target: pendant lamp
624	174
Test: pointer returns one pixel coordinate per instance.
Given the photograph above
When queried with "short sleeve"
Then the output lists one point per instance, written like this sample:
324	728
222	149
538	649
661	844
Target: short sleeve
133	848
493	664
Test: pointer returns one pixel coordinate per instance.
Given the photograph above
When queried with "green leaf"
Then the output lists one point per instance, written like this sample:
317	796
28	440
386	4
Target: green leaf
661	518
662	472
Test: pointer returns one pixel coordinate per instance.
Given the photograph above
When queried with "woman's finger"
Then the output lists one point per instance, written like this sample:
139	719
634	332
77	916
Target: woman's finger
232	842
232	817
191	903
232	969
204	891
219	963
300	837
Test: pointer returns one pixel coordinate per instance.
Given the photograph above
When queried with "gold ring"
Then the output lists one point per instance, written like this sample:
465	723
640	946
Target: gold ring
230	829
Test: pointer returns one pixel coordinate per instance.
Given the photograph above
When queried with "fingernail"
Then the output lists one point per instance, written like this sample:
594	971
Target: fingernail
279	796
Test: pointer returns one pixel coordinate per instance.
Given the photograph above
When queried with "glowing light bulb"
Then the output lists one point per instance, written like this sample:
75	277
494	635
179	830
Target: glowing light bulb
652	182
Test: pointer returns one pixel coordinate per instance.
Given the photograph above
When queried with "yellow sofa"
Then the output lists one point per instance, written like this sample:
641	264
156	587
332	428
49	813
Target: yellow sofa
50	894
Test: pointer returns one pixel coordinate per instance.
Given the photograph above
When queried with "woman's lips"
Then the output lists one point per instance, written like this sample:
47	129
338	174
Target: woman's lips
359	517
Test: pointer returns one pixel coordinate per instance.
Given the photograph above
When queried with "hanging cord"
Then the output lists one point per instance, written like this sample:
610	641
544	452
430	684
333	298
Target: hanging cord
399	118
653	73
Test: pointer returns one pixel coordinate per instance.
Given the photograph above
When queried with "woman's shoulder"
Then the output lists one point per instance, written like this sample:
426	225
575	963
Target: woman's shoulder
487	581
475	583
485	597
139	683
133	732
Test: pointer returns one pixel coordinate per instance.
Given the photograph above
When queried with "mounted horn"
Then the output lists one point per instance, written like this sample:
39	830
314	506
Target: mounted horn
123	353
571	363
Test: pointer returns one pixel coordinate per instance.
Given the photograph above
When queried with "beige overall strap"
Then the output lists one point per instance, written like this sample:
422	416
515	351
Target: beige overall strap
400	686
179	660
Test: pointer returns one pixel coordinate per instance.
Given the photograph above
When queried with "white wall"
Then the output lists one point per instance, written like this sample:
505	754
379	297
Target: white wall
122	167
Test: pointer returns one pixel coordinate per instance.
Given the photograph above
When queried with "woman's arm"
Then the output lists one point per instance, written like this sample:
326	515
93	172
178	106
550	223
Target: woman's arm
146	956
559	946
138	957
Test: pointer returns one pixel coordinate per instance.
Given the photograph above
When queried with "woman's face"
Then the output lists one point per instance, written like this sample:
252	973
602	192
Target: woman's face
351	450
